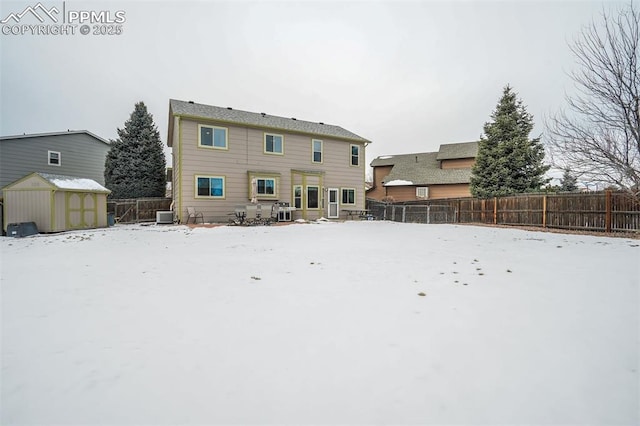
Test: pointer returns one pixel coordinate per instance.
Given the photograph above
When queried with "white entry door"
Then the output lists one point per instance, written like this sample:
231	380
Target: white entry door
333	207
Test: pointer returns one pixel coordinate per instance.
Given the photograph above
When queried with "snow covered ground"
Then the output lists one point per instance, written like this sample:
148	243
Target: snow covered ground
350	323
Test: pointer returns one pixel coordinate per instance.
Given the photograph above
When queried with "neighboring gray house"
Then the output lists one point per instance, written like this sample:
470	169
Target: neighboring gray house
221	156
76	153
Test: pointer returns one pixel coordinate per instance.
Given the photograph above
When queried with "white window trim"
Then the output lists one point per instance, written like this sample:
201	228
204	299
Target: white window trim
264	145
354	196
226	137
423	189
293	195
351	155
210	197
49	158
313	160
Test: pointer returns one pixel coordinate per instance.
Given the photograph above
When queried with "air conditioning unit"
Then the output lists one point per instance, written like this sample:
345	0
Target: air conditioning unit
164	217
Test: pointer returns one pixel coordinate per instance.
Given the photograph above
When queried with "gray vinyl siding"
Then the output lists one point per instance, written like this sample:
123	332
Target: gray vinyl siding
246	153
81	155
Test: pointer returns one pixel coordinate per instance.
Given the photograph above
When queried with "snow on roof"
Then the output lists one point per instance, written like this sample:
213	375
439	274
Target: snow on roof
385	157
70	182
398	182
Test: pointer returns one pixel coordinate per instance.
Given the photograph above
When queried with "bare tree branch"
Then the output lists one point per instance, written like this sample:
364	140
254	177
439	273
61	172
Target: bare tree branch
599	137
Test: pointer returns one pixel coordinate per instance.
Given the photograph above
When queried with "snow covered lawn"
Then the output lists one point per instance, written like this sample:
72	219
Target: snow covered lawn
351	323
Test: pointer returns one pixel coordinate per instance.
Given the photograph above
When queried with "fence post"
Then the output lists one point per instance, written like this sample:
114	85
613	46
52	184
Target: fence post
544	211
607	217
428	214
404	213
458	212
495	210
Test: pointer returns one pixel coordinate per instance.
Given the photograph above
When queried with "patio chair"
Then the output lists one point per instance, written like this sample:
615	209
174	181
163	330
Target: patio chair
252	214
193	213
238	216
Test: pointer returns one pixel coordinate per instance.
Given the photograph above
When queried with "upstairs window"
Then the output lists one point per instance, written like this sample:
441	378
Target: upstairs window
273	144
54	158
316	149
422	192
355	155
212	137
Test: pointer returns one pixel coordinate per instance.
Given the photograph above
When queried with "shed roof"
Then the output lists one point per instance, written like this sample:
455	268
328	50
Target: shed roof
63	183
73	183
262	120
68	132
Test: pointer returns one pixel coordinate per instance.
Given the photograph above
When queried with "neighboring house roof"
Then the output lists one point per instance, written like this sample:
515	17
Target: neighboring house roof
424	168
451	151
385	160
68	132
262	120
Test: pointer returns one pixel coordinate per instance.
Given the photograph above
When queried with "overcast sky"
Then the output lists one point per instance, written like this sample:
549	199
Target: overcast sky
407	75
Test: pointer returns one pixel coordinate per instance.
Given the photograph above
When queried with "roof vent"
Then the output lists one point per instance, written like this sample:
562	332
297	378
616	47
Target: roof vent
321	123
293	118
229	108
190	102
262	114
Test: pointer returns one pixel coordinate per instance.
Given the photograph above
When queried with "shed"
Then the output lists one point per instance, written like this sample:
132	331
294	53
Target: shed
55	202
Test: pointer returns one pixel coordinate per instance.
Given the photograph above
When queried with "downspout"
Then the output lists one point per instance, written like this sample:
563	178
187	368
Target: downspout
178	176
364	175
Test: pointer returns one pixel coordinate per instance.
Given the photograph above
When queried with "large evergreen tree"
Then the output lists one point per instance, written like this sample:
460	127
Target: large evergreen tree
508	162
135	164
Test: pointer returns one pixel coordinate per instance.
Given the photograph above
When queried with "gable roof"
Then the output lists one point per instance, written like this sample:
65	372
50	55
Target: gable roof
64	183
424	168
73	183
254	119
451	151
68	132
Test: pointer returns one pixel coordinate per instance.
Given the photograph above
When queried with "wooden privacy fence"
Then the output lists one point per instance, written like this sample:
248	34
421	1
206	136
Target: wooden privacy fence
137	210
605	211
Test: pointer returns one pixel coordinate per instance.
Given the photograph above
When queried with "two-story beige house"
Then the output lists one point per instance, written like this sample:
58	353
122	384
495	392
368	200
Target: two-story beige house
223	156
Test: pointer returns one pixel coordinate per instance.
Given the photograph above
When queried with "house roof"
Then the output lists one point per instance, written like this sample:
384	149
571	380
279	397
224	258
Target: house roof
68	132
72	183
261	120
421	169
451	151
